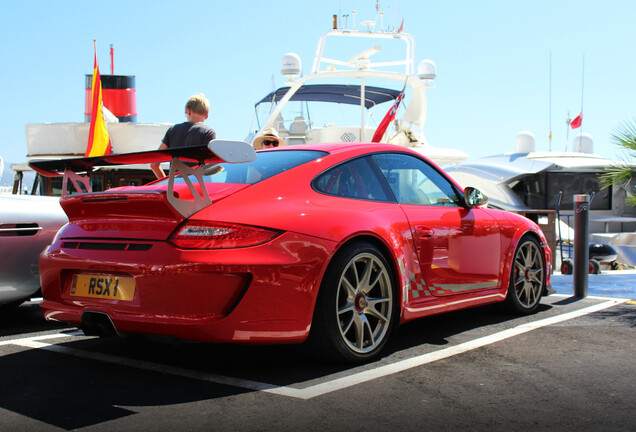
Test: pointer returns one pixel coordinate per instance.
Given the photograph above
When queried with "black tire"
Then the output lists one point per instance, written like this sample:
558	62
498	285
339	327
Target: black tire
356	307
567	267
593	267
527	278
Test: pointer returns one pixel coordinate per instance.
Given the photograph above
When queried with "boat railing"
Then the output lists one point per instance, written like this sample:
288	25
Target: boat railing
407	61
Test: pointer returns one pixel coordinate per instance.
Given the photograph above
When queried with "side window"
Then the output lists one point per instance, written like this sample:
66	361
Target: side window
413	181
354	179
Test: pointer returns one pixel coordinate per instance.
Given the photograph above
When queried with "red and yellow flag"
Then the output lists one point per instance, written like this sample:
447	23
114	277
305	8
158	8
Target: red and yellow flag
98	139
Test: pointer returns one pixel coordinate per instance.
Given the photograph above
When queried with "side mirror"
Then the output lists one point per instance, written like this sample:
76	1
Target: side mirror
474	198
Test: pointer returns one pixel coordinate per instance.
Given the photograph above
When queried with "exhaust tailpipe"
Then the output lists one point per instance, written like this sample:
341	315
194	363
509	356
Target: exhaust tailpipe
97	324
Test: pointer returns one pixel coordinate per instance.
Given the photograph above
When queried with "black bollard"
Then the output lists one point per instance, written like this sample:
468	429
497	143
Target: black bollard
581	251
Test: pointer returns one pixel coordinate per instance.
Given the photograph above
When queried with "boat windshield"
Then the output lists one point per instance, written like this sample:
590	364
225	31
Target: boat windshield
267	164
326	106
541	190
335	93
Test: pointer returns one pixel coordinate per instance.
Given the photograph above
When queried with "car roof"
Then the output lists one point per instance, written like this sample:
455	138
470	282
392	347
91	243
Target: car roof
338	148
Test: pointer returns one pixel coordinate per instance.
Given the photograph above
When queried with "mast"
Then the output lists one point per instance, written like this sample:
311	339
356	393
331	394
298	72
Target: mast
550	105
582	86
567	131
112	60
362	99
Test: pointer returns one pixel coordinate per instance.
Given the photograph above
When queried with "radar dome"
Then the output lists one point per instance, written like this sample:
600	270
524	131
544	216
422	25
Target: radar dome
427	70
290	65
524	142
583	143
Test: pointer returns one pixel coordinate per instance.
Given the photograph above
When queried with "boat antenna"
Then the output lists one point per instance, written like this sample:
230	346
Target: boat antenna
550	105
582	87
580	116
112	60
272	105
381	14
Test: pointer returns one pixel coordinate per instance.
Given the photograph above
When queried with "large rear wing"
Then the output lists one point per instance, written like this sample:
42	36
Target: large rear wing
78	170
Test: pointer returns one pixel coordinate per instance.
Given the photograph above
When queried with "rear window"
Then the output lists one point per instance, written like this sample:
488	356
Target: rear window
266	164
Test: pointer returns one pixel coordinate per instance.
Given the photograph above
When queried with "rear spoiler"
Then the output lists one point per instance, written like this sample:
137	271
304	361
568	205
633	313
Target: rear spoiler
78	170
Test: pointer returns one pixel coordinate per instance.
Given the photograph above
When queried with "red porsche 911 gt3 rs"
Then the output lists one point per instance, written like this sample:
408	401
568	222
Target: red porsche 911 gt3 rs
332	243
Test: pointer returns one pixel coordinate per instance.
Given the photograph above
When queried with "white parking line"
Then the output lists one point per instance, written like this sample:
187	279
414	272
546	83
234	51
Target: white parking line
148	366
320	389
382	371
23	340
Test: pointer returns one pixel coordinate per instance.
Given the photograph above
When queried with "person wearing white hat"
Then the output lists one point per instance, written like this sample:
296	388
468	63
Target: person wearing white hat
269	139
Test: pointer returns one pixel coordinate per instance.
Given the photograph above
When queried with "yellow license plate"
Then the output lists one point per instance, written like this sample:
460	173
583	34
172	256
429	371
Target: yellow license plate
103	286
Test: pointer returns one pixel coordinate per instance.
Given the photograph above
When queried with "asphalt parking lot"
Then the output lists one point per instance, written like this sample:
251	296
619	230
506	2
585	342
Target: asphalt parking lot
569	367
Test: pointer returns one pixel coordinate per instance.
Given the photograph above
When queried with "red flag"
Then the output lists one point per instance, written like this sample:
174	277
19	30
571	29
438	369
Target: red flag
576	123
401	26
388	118
98	139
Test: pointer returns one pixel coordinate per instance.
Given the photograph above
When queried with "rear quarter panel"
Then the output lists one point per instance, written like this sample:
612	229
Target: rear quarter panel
288	203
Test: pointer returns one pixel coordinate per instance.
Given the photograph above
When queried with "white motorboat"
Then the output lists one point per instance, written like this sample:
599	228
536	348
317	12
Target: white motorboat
63	140
531	182
355	79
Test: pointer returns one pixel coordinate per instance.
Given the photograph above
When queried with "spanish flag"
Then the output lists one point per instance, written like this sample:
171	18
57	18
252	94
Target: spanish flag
98	139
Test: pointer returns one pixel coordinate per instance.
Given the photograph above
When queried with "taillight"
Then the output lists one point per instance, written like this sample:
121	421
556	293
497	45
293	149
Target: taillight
220	235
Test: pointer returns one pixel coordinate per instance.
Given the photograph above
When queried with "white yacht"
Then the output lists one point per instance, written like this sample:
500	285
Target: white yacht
355	79
531	182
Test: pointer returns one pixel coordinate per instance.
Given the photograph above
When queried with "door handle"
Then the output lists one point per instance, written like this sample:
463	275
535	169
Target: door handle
423	232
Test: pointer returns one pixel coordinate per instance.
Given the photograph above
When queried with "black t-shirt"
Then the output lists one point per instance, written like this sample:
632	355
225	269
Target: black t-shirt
188	134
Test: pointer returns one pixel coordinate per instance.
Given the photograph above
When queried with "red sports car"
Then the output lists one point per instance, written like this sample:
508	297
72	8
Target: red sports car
333	243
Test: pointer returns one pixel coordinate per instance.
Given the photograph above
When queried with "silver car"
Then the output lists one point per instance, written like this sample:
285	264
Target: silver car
28	224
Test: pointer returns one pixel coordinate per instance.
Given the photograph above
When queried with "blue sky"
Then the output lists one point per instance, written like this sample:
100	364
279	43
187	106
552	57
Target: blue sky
492	62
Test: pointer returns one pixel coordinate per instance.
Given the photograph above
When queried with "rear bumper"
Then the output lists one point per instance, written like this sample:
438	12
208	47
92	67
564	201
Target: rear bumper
261	294
227	330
